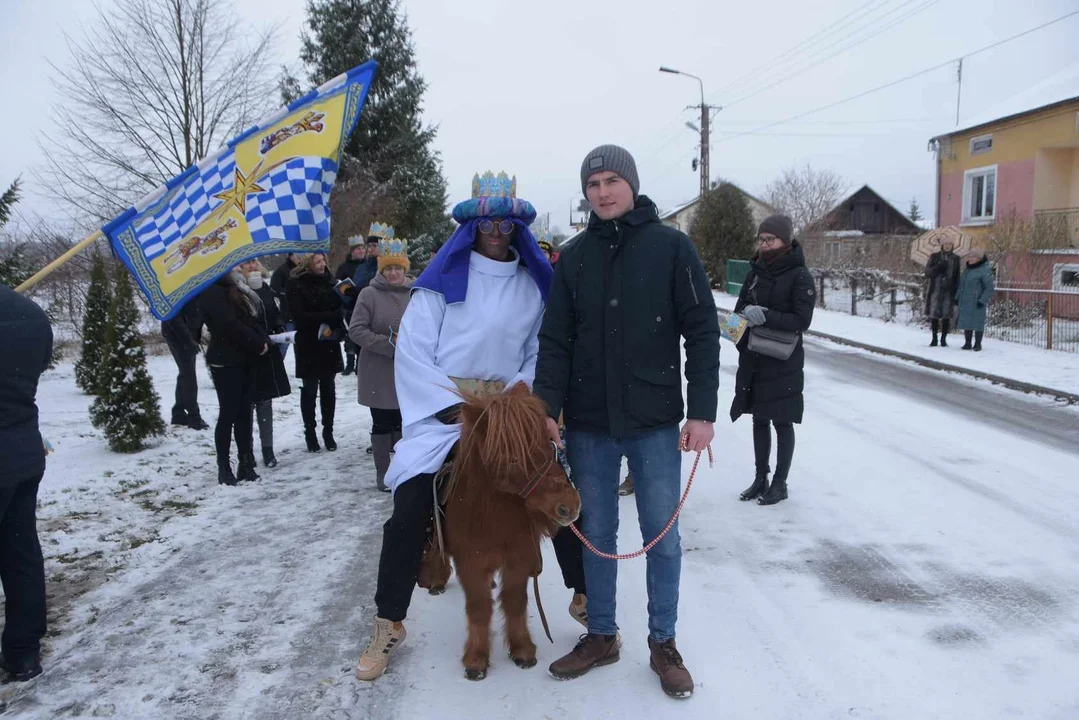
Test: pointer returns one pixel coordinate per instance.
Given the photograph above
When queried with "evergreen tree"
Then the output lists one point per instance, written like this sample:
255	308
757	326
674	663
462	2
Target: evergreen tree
390	140
723	230
94	323
127	406
915	213
7	202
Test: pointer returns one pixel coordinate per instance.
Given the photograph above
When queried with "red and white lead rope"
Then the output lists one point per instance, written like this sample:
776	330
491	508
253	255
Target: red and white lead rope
670	523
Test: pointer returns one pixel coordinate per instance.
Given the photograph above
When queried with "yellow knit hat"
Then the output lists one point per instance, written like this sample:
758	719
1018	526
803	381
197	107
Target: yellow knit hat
393	251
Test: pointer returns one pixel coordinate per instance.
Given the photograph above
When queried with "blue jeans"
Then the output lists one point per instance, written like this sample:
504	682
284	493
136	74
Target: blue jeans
656	464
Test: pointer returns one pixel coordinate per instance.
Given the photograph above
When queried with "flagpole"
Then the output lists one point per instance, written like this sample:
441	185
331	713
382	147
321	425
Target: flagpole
51	267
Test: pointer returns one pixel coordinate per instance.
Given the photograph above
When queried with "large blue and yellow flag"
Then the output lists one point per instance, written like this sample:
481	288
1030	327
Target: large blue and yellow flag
266	192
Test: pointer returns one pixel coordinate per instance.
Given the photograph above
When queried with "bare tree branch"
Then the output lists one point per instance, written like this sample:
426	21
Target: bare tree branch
152	87
805	195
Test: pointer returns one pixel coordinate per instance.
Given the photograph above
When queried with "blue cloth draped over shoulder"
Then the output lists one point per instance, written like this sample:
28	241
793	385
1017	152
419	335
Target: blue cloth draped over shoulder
448	272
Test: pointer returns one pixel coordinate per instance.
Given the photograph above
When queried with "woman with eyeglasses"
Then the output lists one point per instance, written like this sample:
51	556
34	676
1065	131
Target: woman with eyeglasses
778	294
472	325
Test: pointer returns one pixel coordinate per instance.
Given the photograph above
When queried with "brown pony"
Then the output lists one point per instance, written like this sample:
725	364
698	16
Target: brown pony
506	492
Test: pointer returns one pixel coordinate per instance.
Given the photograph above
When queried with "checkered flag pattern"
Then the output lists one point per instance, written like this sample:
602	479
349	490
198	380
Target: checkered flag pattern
296	203
188	206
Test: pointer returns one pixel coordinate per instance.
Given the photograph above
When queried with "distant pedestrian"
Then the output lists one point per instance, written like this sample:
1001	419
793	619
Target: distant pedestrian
375	322
778	294
27	349
182	335
357	255
943	273
316	310
975	290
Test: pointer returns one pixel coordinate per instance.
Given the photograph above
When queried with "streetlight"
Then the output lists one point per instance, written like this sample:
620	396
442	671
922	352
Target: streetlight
705	108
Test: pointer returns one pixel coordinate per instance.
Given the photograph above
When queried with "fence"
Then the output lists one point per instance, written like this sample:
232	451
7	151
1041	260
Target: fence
736	275
1041	318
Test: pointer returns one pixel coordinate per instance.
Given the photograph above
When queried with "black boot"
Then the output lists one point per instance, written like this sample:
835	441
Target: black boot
328	405
195	422
758	488
350	364
935	324
966	336
327	438
775	493
225	476
268	459
245	472
978	340
944	332
312	440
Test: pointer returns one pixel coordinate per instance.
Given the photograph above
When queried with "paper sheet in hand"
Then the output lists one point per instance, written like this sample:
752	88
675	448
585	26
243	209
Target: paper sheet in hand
732	327
285	338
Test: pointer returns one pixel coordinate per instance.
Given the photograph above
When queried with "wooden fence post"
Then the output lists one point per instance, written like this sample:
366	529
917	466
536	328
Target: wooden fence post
853	295
820	295
893	302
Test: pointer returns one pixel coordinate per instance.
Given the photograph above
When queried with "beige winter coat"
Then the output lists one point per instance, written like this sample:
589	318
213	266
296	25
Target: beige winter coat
379	307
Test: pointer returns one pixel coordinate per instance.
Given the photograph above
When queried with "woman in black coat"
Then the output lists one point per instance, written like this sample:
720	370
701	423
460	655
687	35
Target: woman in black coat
313	303
779	294
237	340
271	380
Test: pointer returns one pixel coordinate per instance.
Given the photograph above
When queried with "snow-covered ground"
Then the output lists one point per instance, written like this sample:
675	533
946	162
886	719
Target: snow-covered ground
1049	368
926	566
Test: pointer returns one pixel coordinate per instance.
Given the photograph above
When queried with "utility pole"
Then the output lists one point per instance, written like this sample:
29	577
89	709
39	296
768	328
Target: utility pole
706	117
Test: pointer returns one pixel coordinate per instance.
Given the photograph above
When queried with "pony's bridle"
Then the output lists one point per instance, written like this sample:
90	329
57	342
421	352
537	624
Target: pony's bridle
534	481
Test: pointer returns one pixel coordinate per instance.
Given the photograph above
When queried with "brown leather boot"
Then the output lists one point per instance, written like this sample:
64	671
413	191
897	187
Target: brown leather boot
666	662
591	651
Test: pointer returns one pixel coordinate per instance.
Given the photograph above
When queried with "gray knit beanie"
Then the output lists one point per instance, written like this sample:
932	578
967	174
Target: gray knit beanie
613	158
778	225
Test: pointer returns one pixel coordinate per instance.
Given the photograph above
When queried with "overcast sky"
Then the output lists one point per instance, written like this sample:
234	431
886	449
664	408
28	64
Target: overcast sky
531	86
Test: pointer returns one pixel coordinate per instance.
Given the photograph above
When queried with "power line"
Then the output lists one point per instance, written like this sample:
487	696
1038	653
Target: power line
797	49
897	21
903	79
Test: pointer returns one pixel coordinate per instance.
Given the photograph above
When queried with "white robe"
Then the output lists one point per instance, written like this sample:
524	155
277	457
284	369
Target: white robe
492	335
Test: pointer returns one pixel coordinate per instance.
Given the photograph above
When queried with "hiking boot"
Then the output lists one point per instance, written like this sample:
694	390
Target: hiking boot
578	609
666	662
626	488
590	652
777	492
758	488
23	669
388	636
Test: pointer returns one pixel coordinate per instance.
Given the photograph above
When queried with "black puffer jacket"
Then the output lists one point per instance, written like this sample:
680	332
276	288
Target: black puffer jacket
312	302
622	296
27	337
236	337
766	387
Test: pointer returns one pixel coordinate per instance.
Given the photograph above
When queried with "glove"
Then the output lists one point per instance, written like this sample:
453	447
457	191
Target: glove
754	315
981	305
449	415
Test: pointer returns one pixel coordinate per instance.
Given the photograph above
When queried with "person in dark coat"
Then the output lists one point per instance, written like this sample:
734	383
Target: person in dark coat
279	284
622	298
357	254
27	349
976	288
778	293
238	339
271	379
314	303
943	273
182	335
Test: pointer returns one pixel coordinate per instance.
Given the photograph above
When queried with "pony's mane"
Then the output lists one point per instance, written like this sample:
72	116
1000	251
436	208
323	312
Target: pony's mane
513	427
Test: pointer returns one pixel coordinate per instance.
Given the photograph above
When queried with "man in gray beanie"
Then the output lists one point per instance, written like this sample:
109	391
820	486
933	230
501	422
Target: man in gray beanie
622	297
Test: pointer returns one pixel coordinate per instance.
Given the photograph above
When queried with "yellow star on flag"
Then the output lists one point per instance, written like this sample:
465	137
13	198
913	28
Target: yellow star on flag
241	188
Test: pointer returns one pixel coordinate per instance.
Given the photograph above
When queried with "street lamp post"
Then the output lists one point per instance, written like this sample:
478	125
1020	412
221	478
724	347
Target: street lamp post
704	130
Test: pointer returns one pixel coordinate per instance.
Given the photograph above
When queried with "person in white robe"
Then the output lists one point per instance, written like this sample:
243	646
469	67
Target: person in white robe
472	324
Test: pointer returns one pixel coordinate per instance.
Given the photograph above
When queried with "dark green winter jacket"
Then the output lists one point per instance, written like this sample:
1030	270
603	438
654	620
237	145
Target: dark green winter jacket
622	296
975	290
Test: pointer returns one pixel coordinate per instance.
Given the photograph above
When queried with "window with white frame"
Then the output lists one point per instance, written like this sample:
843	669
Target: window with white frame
981	144
979	194
1066	278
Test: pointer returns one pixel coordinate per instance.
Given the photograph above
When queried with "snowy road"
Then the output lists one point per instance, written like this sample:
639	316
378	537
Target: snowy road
926	566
